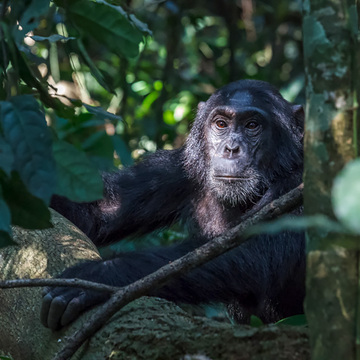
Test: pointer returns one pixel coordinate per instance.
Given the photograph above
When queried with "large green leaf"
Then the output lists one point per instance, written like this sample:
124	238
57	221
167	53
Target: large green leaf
99	144
108	24
346	196
26	210
77	178
26	132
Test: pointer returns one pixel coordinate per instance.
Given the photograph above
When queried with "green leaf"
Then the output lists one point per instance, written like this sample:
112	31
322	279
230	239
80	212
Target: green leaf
346	195
139	24
30	17
6	156
77	178
52	38
100	76
255	321
122	150
33	78
99	144
101	113
108	24
296	320
26	210
26	131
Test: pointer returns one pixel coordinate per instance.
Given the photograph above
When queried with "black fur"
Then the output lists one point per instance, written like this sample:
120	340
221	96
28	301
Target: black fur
226	169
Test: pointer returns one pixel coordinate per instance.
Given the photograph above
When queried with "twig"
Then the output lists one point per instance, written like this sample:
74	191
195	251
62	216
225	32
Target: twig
78	283
199	256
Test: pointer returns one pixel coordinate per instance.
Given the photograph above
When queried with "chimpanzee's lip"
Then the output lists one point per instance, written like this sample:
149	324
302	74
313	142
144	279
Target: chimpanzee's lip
230	177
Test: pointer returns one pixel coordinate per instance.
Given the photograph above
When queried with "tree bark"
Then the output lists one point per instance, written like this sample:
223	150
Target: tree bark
148	328
40	254
330	47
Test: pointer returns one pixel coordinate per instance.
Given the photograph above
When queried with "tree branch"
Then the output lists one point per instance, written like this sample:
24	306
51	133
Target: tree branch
78	283
199	256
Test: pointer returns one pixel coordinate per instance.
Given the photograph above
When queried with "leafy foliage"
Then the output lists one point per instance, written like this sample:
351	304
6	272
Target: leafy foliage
34	162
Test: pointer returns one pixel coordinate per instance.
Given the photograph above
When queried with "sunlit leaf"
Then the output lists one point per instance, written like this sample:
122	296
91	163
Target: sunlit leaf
108	24
139	24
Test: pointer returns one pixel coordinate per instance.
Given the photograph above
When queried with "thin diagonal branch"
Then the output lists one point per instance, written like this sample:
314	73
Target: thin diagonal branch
78	283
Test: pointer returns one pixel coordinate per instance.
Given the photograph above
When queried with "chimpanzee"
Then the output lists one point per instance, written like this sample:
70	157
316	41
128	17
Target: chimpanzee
244	150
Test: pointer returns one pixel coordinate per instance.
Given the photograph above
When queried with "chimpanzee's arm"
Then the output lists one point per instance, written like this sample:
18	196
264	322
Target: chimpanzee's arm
260	273
138	199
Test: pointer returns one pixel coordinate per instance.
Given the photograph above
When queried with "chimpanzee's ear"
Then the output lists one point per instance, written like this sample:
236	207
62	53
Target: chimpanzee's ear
299	116
200	105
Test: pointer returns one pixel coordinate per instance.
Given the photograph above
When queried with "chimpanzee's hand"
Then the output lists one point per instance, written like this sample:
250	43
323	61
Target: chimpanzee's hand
62	305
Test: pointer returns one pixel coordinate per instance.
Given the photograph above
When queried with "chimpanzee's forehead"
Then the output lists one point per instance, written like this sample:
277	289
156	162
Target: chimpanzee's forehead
244	98
239	101
246	95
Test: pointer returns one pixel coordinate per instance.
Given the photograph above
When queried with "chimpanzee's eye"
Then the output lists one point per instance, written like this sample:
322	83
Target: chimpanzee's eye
221	124
252	125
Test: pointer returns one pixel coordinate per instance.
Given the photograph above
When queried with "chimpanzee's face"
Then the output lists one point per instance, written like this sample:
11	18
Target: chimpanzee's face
234	132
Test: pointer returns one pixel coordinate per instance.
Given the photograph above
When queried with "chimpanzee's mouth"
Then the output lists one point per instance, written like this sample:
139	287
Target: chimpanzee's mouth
230	178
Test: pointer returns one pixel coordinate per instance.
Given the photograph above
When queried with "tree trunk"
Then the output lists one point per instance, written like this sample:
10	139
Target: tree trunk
330	48
148	328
